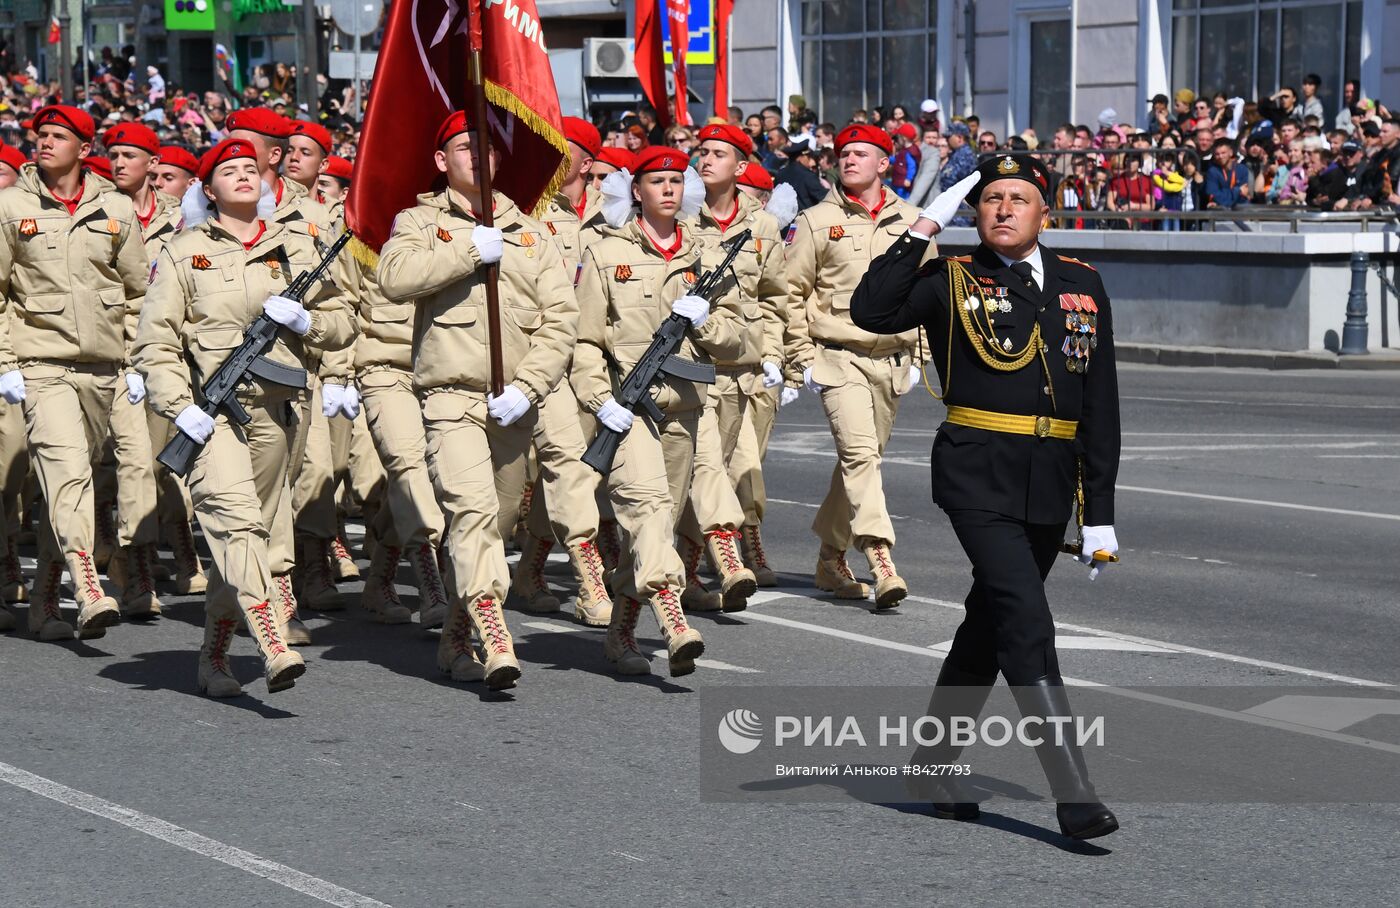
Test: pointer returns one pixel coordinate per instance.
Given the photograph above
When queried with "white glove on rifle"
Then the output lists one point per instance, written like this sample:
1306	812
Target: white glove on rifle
350	407
693	308
1098	539
945	207
195	423
510	406
135	388
812	386
788	396
488	243
615	416
288	313
913	378
12	386
772	375
332	397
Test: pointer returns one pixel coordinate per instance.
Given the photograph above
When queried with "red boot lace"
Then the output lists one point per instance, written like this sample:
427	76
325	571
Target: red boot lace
627	629
459	636
754	540
536	577
527	501
391	559
882	560
223	633
609	547
428	567
729	559
692	562
671	608
13	574
50	603
286	602
843	567
145	583
182	545
106	530
90	586
338	550
267	627
493	629
592	565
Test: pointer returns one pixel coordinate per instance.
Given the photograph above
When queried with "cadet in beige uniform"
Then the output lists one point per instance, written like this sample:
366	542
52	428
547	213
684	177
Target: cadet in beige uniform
435	257
302	534
14	455
635	276
859	376
72	267
714	513
131	148
410	522
564	505
210	282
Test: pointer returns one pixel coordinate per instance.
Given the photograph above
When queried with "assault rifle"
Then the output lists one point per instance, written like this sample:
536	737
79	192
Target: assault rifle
246	363
660	359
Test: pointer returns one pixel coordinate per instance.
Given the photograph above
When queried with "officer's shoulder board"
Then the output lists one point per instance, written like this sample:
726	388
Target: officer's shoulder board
1074	261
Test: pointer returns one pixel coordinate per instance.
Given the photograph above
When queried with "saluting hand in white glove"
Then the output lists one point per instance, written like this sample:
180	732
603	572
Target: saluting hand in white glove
945	207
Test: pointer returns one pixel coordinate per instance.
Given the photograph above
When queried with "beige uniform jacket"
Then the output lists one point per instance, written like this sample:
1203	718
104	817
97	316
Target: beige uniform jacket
205	292
67	283
625	292
571	233
834	244
762	286
430	260
386	328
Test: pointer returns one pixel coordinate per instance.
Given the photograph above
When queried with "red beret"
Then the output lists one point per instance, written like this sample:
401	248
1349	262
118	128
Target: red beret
906	130
339	168
659	159
724	132
757	177
313	131
227	150
863	132
179	157
12	156
259	120
583	134
455	124
133	134
620	158
98	165
71	118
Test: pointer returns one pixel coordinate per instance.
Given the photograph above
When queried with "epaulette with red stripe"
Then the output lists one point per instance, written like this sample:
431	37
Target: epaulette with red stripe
1065	258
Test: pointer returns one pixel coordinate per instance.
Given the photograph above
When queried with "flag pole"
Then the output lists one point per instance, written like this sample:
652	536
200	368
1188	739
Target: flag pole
481	138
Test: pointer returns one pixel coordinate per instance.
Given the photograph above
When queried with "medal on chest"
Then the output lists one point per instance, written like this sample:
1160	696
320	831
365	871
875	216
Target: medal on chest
1081	330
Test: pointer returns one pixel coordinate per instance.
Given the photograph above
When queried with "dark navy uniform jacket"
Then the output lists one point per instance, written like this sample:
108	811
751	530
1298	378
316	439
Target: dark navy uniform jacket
1021	476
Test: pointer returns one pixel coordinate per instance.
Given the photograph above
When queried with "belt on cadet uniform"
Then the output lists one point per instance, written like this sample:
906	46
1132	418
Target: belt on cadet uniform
1011	424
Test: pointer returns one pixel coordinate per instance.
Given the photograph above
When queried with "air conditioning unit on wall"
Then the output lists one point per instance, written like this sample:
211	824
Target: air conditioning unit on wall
608	58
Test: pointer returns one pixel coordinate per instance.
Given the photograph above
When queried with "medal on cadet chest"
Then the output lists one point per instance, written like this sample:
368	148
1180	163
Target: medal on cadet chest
1081	326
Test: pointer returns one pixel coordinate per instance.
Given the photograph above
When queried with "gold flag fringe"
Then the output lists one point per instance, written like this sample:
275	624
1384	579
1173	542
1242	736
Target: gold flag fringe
506	99
364	253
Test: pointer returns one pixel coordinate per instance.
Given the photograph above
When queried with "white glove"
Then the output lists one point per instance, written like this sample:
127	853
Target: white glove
290	314
772	375
693	308
350	407
788	396
195	423
913	378
510	406
1098	539
135	388
807	380
12	386
615	416
488	243
332	398
945	207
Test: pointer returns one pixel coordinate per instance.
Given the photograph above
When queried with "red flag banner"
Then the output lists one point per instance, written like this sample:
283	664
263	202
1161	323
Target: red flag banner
650	60
724	9
679	13
421	77
55	31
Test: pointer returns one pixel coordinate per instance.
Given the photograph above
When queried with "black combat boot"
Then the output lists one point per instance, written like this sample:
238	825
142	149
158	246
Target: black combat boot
1077	806
957	693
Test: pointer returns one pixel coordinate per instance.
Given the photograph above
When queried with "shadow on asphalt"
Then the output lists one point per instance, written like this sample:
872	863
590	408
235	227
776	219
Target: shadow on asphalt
174	670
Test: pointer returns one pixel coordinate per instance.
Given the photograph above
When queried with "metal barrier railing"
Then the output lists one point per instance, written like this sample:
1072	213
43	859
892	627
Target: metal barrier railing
1239	217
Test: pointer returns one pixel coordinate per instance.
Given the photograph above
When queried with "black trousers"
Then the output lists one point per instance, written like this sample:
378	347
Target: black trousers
1008	625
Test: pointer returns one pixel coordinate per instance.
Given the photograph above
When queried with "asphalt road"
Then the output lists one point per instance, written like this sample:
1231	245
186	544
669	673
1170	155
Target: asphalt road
1258	514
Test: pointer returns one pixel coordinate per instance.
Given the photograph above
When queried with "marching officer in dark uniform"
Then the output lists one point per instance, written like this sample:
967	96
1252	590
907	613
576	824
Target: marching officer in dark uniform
1023	343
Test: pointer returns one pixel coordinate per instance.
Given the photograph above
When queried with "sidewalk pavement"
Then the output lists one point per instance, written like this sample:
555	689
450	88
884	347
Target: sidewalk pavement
1165	355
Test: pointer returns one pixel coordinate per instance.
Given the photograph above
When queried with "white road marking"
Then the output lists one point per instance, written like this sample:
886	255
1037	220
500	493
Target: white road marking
703	663
1259	502
630	857
1359	456
468	806
180	837
325	760
1262	403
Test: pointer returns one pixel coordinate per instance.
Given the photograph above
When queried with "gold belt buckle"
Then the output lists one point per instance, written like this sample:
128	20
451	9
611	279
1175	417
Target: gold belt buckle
1042	426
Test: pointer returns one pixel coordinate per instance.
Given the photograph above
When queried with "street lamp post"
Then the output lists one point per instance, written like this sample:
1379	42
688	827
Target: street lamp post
1354	330
65	70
